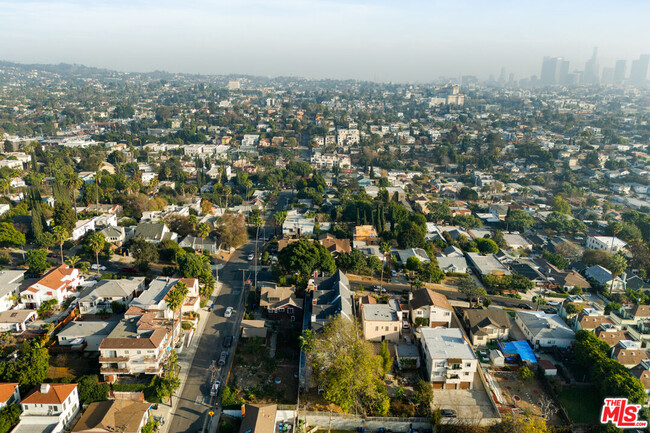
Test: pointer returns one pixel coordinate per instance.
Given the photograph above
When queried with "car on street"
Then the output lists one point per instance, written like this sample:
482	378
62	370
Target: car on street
97	267
223	358
393	273
251	257
215	388
227	341
552	303
130	271
448	413
524	306
228	312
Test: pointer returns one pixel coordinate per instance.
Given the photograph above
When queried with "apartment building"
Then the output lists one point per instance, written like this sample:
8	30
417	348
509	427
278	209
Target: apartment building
610	244
449	360
382	322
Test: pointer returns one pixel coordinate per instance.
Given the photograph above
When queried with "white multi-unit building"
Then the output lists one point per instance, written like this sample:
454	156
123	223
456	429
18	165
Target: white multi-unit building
449	360
297	225
50	407
347	137
329	160
611	244
9	288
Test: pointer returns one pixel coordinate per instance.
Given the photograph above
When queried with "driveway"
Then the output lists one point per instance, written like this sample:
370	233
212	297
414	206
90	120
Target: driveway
471	405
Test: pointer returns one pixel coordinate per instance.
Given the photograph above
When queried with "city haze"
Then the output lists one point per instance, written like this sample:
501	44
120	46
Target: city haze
378	40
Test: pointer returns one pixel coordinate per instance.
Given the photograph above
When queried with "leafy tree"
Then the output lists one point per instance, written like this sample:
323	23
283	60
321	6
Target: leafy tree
95	241
387	360
29	368
9	417
64	216
413	264
517	219
500	240
525	374
558	204
423	397
90	390
36	261
143	253
466	221
486	246
411	235
45	240
305	257
9	236
232	230
596	257
193	265
439	211
345	366
468	287
466	193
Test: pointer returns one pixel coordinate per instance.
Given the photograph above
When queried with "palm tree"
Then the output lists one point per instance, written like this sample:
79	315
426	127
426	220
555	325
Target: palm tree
96	243
257	220
226	192
73	260
279	218
72	182
175	299
385	249
203	230
61	234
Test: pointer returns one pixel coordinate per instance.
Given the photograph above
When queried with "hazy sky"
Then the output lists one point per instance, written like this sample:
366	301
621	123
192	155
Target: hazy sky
381	40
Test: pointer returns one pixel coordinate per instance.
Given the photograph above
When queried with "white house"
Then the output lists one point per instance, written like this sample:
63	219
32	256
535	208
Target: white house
54	404
9	288
9	393
298	225
100	297
448	358
57	284
430	308
544	330
611	244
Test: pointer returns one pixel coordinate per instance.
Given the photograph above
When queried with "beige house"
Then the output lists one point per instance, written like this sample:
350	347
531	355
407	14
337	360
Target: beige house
429	308
113	416
381	322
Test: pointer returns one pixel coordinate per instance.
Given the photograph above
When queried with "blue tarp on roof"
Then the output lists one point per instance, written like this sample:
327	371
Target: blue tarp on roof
521	348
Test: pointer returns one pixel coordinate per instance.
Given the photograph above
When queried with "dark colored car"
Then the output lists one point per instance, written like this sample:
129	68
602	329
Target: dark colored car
130	271
227	342
448	413
525	306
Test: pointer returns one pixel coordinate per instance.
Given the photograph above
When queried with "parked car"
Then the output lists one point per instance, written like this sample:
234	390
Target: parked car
552	303
215	388
251	257
96	267
228	312
227	342
448	413
524	306
223	358
393	273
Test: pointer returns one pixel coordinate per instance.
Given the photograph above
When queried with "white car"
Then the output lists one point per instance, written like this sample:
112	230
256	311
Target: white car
215	388
228	312
251	256
97	267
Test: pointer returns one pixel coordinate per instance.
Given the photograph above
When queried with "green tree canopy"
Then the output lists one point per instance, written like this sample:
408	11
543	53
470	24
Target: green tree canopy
305	257
9	236
36	261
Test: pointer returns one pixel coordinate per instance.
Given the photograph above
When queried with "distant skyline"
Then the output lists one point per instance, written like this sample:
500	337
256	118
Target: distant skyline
405	41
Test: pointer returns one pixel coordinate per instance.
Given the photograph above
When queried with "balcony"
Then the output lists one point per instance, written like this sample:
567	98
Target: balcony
153	370
103	359
111	370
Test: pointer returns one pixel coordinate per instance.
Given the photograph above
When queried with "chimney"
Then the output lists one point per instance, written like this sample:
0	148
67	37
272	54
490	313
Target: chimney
45	388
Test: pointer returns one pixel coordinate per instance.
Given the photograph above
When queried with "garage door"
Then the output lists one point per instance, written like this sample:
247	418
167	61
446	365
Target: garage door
437	385
464	385
451	386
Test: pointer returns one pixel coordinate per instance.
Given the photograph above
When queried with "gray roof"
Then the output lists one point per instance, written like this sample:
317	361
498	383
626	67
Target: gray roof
111	289
332	297
487	264
382	312
150	230
413	252
545	326
598	273
407	351
445	343
447	263
10	281
87	328
452	251
156	292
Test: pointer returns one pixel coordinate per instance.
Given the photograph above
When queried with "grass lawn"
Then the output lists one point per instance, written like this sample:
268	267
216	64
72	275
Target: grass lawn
582	404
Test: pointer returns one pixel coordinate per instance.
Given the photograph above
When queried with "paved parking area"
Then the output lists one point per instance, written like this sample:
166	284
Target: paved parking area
470	404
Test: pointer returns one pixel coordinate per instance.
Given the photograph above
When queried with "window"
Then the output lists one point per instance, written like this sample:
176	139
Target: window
447	313
466	373
395	328
419	312
289	310
440	364
376	328
139	352
293	318
468	364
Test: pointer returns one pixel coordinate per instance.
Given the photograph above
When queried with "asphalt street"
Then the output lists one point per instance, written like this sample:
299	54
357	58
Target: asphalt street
193	407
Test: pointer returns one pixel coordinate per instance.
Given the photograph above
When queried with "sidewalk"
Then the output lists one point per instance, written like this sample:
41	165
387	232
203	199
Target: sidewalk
185	360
